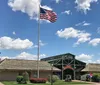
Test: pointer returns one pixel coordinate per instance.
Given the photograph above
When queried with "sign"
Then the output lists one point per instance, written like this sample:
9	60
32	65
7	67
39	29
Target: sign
68	67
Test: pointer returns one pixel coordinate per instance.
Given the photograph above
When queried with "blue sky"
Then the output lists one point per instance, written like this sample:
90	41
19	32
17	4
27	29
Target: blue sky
76	31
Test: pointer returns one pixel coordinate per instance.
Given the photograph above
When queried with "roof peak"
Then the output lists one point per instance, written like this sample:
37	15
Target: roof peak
62	55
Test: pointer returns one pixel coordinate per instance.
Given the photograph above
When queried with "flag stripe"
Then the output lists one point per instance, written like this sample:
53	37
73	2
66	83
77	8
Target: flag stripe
48	15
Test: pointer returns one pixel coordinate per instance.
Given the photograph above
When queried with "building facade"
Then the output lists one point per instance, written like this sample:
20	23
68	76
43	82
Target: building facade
11	68
68	64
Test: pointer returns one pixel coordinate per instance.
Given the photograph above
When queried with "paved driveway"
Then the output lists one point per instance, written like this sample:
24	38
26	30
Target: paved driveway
96	84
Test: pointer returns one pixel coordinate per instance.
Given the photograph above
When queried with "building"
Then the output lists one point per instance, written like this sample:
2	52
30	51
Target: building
10	68
92	68
68	64
63	65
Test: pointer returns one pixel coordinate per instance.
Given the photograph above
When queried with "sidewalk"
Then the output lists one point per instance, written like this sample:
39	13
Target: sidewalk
93	83
1	83
96	83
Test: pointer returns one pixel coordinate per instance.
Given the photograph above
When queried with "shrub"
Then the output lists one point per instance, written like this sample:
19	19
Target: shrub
19	79
53	79
96	77
96	74
38	80
25	76
22	79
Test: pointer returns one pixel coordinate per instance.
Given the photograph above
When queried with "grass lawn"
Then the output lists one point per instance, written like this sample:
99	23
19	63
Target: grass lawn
56	83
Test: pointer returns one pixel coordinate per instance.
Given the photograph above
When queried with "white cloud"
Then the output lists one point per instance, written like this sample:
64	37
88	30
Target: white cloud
84	5
44	21
26	6
84	23
97	61
41	43
24	55
92	61
70	32
87	58
27	56
46	7
83	37
98	30
79	24
57	1
84	57
9	43
43	56
68	12
4	57
30	7
95	41
14	33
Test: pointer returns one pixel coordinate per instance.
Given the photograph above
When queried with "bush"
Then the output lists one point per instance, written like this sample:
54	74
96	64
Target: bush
22	79
19	79
38	80
96	77
53	79
25	76
96	74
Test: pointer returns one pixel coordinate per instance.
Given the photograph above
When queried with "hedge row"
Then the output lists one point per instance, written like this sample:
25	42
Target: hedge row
38	80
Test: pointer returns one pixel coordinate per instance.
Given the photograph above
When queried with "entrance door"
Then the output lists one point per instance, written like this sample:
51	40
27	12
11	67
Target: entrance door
68	72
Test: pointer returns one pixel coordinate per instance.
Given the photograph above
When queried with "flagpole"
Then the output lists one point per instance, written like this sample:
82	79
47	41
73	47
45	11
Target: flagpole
38	53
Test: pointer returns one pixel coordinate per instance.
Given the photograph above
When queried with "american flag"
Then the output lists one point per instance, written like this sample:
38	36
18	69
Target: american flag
48	15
